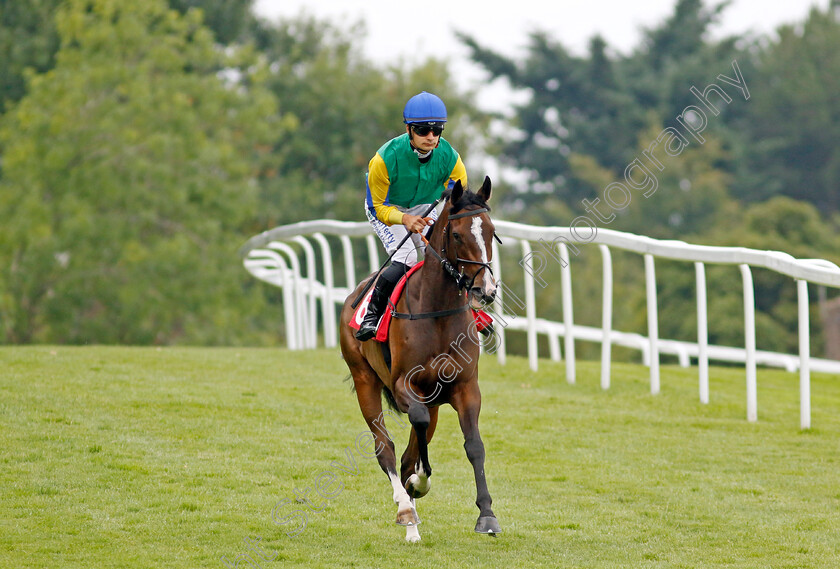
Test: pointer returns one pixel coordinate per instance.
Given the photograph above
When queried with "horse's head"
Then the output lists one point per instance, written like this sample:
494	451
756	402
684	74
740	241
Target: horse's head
468	241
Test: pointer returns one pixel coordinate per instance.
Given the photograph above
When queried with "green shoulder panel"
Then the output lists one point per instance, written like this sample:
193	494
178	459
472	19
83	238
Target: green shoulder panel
413	182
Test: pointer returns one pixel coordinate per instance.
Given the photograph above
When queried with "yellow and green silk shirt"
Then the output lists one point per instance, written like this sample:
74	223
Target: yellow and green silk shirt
397	177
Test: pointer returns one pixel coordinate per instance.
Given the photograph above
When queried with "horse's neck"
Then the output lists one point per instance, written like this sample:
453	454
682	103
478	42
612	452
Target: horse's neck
438	290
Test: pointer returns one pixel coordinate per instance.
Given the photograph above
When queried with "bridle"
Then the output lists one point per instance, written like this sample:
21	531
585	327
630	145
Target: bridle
460	278
464	283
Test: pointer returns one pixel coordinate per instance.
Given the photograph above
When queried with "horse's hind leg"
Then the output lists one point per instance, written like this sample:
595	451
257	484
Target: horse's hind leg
415	475
369	394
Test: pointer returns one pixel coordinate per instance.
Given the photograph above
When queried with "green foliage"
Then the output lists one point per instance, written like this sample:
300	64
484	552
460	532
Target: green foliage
597	105
783	224
229	19
344	108
28	40
791	130
683	196
128	177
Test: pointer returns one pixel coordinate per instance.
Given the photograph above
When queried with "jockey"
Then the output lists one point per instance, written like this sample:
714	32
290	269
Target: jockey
407	174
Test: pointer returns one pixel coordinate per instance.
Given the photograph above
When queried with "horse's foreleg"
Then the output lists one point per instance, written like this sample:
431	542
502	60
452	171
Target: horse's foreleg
415	460
412	534
467	402
406	512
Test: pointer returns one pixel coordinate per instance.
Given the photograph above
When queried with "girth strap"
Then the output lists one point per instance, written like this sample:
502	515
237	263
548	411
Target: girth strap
437	314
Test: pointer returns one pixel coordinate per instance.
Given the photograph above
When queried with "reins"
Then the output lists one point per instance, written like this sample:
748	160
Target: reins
388	260
460	278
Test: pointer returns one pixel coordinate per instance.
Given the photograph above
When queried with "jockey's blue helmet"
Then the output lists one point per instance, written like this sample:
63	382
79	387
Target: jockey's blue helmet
424	108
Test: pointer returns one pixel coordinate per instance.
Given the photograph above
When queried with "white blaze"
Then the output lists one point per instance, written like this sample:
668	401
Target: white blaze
489	285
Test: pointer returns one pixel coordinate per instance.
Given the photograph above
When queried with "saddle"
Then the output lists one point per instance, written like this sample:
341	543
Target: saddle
482	319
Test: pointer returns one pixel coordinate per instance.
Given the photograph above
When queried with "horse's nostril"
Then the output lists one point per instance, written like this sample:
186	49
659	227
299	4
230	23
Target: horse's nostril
479	294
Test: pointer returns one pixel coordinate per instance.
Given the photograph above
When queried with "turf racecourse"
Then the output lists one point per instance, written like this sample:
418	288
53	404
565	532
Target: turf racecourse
176	457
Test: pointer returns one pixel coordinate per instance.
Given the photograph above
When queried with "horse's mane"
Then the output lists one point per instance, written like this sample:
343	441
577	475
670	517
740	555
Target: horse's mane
468	198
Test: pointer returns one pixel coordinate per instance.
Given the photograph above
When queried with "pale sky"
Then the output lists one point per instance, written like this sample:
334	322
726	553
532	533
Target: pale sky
415	31
419	29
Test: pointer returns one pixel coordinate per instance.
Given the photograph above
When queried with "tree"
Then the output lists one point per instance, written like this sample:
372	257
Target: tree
596	106
129	174
229	19
29	39
674	197
343	109
792	131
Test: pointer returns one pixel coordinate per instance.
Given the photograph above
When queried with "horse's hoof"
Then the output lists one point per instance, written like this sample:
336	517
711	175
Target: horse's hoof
417	487
408	517
411	534
488	524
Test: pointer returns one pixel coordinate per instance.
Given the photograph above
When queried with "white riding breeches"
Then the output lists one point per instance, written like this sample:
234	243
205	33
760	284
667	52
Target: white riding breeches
392	235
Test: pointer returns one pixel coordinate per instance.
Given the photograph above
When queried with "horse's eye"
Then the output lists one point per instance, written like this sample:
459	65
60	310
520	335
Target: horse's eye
457	236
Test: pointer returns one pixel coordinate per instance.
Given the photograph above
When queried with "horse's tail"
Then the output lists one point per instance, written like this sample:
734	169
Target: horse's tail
389	398
352	385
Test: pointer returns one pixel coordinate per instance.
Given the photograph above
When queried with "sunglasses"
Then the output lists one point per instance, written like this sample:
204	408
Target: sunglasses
424	129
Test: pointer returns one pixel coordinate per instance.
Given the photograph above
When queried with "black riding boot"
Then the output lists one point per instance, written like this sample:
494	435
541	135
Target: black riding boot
378	300
388	279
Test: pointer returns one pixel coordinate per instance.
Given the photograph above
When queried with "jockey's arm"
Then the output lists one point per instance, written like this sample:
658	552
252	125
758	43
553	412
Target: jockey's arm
378	185
459	172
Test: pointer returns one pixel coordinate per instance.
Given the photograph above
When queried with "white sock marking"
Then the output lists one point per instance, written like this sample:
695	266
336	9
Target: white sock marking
400	495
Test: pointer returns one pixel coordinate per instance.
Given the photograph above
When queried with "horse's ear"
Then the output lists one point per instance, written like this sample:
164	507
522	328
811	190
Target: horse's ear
457	192
484	192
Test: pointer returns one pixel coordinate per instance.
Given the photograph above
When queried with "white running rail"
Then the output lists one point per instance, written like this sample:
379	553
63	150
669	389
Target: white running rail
285	257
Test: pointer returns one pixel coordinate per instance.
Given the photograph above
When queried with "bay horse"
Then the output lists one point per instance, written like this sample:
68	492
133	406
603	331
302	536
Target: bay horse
434	351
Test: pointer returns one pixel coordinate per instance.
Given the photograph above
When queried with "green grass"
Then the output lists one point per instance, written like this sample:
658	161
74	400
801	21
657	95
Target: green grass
143	457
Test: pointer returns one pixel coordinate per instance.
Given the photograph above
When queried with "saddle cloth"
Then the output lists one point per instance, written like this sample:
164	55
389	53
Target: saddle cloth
482	319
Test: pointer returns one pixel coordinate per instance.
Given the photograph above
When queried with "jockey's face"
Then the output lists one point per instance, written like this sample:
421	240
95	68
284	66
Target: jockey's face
423	143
